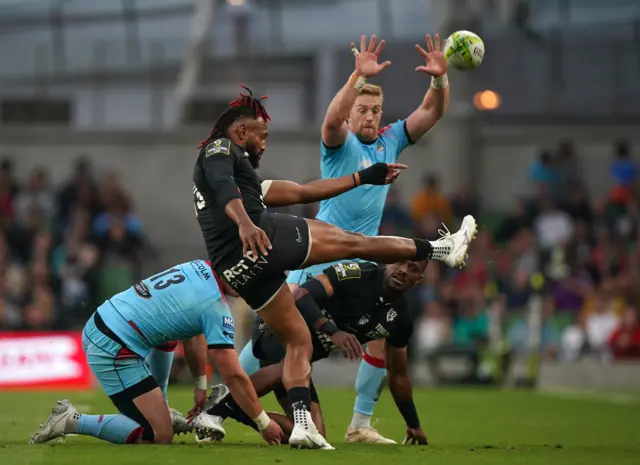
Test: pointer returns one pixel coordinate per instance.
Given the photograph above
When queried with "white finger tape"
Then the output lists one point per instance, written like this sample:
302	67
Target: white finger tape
355	51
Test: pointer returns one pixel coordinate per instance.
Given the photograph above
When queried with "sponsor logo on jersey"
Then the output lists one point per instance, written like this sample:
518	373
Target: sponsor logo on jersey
238	275
219	146
202	268
347	271
378	332
227	322
142	290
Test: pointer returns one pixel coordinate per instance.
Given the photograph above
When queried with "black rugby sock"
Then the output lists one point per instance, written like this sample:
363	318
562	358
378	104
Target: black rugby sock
424	249
229	408
300	398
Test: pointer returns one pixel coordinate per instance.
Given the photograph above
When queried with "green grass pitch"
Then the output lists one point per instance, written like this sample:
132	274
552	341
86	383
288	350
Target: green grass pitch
464	426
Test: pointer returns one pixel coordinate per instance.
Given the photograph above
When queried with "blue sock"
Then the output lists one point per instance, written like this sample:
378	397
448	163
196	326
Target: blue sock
249	363
117	429
160	362
368	386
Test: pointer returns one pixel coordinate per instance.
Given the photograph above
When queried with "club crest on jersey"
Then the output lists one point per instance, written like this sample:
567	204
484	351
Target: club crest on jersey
365	163
391	315
227	322
218	146
142	290
364	319
347	271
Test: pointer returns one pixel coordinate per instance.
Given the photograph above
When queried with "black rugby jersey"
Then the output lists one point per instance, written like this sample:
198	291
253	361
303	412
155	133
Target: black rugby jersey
219	163
358	307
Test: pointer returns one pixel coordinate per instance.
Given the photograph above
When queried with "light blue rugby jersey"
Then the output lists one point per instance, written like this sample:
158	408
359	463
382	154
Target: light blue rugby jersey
177	304
360	210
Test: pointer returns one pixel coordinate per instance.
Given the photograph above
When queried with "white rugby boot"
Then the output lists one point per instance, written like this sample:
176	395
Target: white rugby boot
64	419
452	248
305	435
208	427
366	435
179	422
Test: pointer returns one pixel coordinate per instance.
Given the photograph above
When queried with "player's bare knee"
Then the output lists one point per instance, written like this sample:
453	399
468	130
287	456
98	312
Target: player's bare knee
376	348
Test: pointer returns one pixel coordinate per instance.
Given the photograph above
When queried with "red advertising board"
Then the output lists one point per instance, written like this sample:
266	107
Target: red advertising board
43	360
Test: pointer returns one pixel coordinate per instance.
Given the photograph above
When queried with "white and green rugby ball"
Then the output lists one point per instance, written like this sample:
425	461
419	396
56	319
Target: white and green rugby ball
464	50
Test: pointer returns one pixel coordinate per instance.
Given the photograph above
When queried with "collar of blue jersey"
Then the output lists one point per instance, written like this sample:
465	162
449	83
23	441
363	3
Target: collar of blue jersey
366	143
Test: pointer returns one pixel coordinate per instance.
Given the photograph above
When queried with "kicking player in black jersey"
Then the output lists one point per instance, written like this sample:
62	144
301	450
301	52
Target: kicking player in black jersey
251	249
349	304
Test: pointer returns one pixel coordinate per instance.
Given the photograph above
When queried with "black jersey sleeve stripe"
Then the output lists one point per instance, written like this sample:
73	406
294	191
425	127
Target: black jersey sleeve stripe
406	133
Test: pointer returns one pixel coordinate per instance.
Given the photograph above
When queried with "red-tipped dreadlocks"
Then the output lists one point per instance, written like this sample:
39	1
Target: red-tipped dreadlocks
245	105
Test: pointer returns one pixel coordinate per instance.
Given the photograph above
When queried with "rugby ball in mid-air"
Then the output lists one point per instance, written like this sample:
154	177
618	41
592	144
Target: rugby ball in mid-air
464	50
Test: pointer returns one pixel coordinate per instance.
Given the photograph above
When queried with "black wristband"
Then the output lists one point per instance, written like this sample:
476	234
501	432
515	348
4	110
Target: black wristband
376	174
328	328
408	411
424	249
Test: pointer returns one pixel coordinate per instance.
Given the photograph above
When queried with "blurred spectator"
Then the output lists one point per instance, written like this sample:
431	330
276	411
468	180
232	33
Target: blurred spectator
517	220
566	168
519	333
465	202
80	189
36	195
541	170
395	218
625	340
624	171
553	227
430	200
52	276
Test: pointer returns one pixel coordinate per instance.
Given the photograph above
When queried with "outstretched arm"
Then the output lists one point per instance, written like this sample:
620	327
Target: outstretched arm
280	193
435	102
334	126
402	391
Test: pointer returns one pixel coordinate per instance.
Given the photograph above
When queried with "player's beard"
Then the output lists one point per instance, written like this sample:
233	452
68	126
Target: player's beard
254	159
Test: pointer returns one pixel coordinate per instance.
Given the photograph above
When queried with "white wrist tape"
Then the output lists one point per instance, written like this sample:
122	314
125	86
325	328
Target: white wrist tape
262	421
201	382
360	82
440	82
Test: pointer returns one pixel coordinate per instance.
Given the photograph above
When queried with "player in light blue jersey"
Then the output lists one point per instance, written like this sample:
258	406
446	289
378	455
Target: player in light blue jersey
182	303
352	139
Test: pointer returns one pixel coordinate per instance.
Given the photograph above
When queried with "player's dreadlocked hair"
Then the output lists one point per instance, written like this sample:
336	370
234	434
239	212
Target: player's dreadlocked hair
246	105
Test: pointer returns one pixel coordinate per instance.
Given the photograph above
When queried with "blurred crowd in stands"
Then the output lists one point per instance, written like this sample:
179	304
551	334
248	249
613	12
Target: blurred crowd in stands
578	255
573	257
63	249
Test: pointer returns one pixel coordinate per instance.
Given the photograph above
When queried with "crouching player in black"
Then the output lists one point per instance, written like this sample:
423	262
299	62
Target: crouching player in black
347	305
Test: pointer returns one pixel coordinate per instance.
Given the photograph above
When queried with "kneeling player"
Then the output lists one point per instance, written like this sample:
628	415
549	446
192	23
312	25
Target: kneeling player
347	305
182	303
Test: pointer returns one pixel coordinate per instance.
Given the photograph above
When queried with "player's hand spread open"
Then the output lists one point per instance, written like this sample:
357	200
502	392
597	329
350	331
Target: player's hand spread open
436	62
416	436
273	433
367	59
348	344
380	173
253	238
